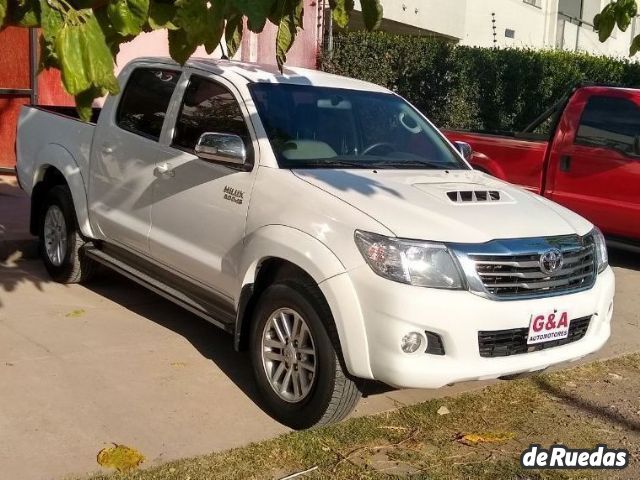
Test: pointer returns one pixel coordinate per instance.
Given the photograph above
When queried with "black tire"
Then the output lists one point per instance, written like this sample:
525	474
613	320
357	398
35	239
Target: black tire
333	395
74	267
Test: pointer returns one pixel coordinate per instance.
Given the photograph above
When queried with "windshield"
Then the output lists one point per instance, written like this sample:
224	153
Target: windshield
317	127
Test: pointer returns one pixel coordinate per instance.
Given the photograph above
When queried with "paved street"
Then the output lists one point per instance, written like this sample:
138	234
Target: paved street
83	366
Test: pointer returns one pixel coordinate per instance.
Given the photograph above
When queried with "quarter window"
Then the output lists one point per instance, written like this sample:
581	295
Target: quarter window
143	105
208	107
610	122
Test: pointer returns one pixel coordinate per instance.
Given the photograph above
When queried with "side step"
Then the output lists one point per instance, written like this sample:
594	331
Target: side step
161	288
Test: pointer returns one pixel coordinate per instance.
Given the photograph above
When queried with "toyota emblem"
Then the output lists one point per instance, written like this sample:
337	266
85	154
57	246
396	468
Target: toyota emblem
551	261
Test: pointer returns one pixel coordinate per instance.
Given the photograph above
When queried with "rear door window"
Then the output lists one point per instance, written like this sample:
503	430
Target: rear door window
610	122
144	103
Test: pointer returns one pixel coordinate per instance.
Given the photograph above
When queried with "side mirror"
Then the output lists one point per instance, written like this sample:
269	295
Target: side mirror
465	150
221	147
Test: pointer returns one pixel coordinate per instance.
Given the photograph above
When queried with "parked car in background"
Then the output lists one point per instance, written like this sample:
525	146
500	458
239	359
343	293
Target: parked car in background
587	158
323	222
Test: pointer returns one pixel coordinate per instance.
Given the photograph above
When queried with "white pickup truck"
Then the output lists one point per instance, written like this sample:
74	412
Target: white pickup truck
323	222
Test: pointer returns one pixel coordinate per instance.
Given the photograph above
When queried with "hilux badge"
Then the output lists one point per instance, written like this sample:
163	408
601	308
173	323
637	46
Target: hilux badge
233	195
551	261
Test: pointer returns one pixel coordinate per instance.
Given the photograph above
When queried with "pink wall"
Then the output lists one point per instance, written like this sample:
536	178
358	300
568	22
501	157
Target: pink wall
255	48
262	48
151	44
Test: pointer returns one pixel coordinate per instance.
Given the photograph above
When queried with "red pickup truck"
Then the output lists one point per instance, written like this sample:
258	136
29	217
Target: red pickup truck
583	153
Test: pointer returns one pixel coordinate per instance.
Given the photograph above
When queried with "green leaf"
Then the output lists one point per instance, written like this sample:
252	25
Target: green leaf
256	12
180	47
192	18
81	4
341	11
84	102
630	6
85	58
623	20
215	25
52	21
233	33
48	58
635	46
128	16
606	23
287	30
371	13
23	13
3	11
162	15
111	36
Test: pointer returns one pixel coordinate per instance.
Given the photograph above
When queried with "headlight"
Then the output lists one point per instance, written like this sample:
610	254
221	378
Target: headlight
602	256
423	264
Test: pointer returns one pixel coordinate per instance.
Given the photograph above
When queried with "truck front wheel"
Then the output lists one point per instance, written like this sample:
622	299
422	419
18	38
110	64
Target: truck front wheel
60	240
295	362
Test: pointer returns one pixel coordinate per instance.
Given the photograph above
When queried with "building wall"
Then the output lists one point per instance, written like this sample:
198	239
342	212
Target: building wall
518	23
528	23
446	17
152	44
543	26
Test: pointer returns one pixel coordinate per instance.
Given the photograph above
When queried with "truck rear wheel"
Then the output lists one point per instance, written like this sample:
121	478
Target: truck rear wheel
295	362
60	240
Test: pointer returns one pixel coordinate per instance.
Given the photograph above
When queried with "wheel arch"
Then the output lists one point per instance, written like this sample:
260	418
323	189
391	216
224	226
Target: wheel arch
56	166
270	251
276	252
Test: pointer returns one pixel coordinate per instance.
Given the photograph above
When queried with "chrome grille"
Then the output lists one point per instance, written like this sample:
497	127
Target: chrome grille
520	275
511	269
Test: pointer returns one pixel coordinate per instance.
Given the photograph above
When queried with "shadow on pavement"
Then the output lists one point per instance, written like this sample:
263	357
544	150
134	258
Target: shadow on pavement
602	412
11	275
210	341
624	259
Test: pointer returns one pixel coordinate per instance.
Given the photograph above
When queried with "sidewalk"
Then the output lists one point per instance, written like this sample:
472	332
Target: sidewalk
15	239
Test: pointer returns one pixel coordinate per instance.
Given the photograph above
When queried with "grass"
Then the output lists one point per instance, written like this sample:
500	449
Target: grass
482	436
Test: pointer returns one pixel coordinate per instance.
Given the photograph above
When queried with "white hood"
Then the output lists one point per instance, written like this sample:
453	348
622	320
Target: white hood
424	204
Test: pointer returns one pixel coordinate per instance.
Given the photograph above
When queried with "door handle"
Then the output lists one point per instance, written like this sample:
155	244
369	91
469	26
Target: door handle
565	163
164	169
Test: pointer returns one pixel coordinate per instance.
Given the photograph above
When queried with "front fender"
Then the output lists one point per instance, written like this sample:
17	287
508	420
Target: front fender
319	262
292	245
54	155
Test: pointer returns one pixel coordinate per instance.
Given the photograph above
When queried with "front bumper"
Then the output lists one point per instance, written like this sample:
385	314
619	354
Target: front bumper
390	310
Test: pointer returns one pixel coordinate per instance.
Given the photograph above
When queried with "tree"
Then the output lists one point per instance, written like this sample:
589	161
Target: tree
82	37
620	13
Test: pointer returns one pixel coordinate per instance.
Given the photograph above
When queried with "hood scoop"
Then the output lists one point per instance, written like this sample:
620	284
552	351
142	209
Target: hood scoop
467	193
477	196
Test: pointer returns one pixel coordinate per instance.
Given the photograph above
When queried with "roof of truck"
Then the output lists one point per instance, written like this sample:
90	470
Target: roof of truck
255	72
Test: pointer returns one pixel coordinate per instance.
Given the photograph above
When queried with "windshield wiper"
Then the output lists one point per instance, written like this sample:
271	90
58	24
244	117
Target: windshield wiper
327	163
409	163
387	164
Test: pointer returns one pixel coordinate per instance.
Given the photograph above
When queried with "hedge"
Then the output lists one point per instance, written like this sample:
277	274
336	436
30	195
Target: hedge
470	87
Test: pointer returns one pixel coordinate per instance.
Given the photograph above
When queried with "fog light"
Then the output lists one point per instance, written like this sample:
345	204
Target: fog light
412	342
